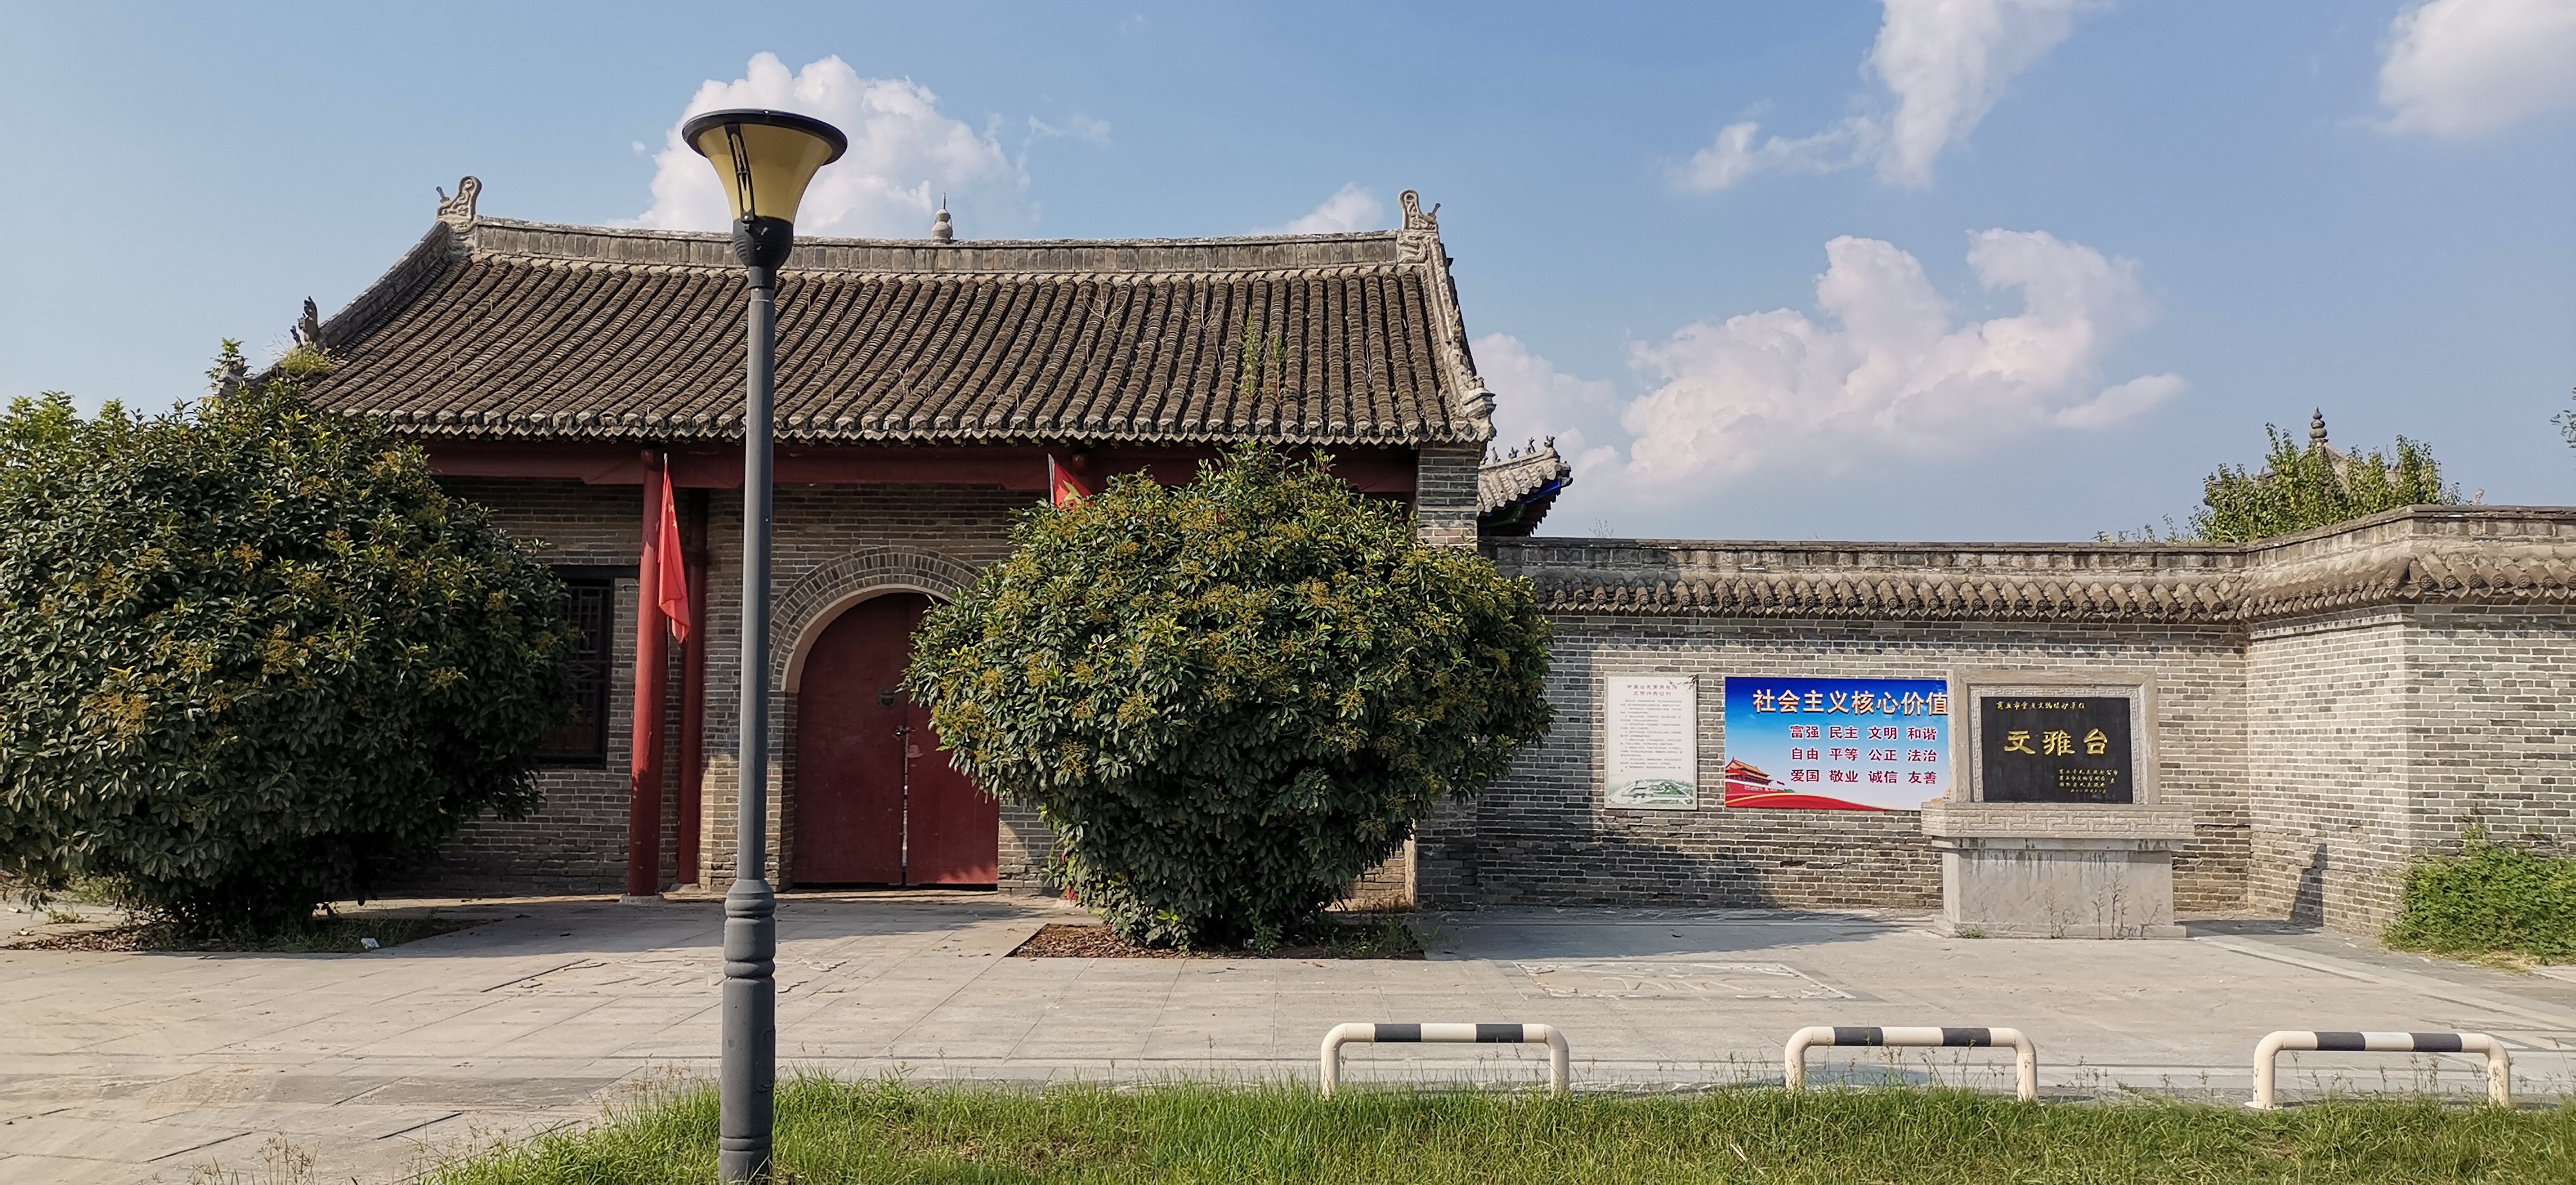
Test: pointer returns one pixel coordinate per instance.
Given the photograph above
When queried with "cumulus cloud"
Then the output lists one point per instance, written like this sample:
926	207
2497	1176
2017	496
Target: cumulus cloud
1943	64
1535	399
1350	208
904	155
1887	368
2467	68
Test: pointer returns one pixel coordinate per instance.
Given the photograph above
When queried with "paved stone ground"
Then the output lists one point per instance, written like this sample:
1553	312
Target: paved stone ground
140	1067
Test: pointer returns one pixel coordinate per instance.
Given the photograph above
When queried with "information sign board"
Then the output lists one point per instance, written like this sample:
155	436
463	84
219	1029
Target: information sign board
1652	759
2055	748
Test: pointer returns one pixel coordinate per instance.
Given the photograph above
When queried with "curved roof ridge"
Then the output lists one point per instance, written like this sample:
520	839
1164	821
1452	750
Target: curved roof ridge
500	237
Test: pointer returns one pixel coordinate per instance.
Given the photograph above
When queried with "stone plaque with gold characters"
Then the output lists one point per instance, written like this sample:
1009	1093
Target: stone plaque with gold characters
2056	748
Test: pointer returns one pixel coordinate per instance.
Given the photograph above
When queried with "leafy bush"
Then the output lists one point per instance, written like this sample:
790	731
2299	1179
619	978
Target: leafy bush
251	657
2489	899
2303	487
1232	697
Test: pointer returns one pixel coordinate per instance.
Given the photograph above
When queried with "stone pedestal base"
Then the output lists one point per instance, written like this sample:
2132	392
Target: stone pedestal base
2010	870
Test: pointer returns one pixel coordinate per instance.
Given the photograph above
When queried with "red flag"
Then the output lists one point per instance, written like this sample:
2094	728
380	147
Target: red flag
1064	486
674	572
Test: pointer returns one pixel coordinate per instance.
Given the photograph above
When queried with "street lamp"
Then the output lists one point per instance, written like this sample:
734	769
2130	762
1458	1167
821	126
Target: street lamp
764	160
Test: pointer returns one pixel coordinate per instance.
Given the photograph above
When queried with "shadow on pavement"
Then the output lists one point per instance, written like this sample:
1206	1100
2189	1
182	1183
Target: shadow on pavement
517	928
1518	934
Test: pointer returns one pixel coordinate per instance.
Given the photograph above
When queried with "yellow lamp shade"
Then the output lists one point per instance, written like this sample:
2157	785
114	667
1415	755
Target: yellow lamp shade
764	158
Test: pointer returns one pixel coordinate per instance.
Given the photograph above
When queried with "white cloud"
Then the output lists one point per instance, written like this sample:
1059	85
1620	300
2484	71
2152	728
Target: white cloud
1350	208
904	156
1888	369
2466	68
1735	156
1533	399
1943	62
1080	127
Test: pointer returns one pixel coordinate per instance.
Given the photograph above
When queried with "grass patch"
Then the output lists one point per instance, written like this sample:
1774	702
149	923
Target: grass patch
326	935
2487	902
831	1132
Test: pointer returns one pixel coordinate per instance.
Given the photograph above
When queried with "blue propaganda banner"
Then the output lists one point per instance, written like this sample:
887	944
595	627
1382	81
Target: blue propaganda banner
1836	744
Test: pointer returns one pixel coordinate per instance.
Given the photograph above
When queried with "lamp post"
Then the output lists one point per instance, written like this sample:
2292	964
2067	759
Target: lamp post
764	160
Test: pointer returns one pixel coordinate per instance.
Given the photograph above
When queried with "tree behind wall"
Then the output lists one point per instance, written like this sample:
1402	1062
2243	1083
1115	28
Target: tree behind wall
2303	488
251	656
1231	698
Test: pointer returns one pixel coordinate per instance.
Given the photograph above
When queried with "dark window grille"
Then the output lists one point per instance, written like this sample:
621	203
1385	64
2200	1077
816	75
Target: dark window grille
590	605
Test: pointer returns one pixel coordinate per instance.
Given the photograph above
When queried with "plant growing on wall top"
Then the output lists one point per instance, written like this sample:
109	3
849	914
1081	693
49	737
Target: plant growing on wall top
251	657
1231	698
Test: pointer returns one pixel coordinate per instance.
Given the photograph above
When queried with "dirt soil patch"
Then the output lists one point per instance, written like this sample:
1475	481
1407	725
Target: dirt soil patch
337	935
1387	938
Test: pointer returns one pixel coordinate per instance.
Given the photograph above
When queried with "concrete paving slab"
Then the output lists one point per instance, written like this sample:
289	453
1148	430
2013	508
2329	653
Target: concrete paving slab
124	1142
65	1170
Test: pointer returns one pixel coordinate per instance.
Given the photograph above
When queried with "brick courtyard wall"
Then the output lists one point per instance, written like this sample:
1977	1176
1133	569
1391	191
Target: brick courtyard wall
2329	705
2384	730
1543	836
2328	738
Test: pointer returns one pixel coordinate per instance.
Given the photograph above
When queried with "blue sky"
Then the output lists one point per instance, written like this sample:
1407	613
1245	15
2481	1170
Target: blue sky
2010	269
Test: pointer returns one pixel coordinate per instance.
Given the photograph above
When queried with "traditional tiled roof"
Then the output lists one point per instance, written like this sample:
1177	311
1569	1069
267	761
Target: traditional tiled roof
1514	491
2471	555
497	329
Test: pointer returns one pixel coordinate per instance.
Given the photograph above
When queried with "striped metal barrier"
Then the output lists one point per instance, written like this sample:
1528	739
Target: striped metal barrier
1558	1056
2499	1065
2025	1054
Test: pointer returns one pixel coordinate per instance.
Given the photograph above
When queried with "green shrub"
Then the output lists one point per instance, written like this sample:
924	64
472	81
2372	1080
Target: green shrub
2303	486
1230	698
251	657
2489	899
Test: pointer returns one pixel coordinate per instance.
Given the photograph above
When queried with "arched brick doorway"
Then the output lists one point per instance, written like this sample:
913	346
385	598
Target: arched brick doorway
876	802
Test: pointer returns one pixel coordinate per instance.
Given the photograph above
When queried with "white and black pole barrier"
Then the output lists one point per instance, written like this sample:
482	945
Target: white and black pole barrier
2499	1064
1559	1058
2025	1054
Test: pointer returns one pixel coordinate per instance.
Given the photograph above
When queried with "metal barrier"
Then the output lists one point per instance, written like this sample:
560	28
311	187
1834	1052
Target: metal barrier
2499	1066
2025	1059
1558	1056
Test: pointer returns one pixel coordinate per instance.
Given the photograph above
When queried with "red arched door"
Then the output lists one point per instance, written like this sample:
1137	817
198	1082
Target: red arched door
876	801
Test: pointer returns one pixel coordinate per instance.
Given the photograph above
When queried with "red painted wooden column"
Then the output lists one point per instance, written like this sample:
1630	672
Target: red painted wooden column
652	662
693	690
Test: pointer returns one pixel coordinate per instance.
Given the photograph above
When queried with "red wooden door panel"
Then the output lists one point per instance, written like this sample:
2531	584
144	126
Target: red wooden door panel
851	795
956	829
849	763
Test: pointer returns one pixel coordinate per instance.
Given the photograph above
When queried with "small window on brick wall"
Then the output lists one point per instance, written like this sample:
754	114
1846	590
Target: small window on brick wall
590	605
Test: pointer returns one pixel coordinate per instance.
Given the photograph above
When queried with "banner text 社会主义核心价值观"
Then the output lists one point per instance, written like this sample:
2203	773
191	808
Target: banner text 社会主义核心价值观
1836	744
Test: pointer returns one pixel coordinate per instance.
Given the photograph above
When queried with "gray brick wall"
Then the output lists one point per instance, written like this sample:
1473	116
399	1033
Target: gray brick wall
1444	493
2380	733
1542	835
2329	705
575	842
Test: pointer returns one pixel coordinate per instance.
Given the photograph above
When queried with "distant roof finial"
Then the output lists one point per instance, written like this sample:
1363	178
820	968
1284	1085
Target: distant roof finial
458	212
2317	429
1414	218
308	328
942	230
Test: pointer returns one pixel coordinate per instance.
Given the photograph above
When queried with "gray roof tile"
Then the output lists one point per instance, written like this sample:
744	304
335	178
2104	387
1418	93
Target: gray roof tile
495	329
